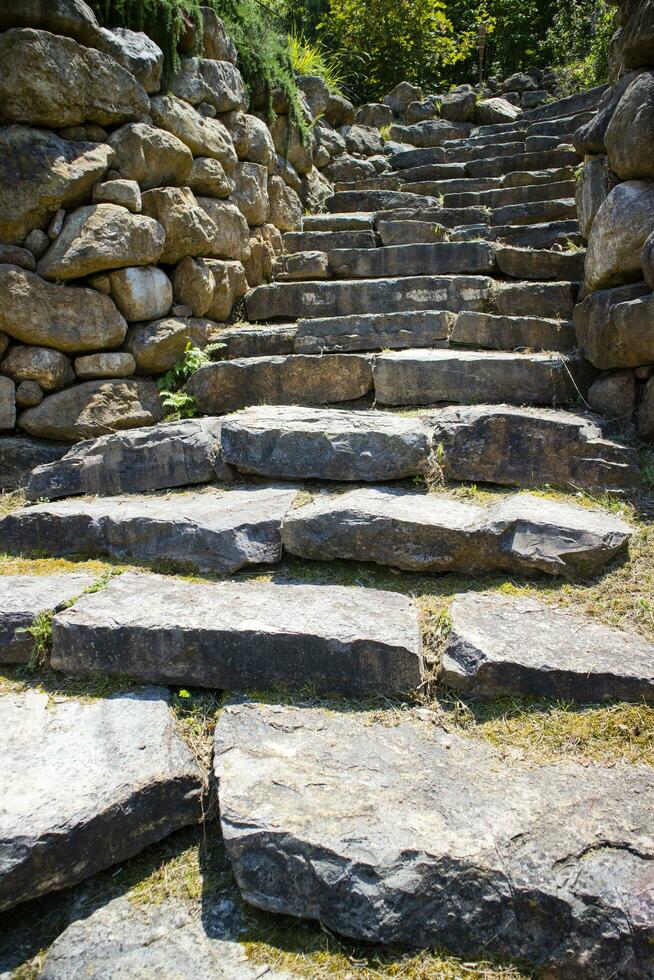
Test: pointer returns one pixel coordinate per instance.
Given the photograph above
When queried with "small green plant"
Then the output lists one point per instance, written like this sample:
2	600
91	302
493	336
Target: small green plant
40	629
647	467
310	58
176	401
385	132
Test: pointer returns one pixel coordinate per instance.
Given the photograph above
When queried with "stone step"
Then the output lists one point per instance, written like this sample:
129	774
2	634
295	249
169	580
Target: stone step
496	166
442	258
300	300
515	134
322	241
563	126
432	171
385	182
351	221
535	212
533	144
522	194
504	130
23	598
392	232
362	201
516	178
415	836
245	635
212	532
512	646
86	785
526	263
435	533
257	340
551	300
570	105
374	331
226	386
427	377
478	444
437	216
545	234
511	333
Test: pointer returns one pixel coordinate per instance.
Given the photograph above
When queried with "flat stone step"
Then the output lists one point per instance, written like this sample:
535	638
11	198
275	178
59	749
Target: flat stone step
213	532
545	234
385	182
446	841
257	340
171	454
362	201
535	212
512	333
520	194
301	300
526	263
496	166
19	455
293	379
87	784
442	258
374	331
563	126
23	598
519	647
424	177
410	232
445	217
571	104
235	636
517	178
426	377
552	300
338	222
456	152
322	241
432	171
436	533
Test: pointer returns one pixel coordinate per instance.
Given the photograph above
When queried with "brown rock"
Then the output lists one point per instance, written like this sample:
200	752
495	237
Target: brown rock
285	206
614	395
13	255
646	413
230	286
187	229
118	364
208	178
204	137
50	368
620	229
251	192
231	235
7	403
28	394
158	346
125	193
152	157
141	292
193	285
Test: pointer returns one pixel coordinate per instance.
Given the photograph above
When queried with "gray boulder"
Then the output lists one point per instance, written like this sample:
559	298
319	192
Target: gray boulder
187	228
205	137
431	132
402	96
376	115
72	18
173	454
49	368
230	232
208	177
363	140
613	327
589	139
158	346
218	83
19	455
621	227
216	43
316	93
629	136
420	837
614	394
150	156
113	364
250	193
123	780
646	413
136	52
594	185
459	106
285	206
23	598
496	110
141	292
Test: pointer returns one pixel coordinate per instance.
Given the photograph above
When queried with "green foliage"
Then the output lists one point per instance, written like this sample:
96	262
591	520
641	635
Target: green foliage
40	629
578	40
176	401
310	58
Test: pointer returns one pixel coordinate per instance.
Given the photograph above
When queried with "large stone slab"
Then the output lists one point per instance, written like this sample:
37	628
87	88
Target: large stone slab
512	333
226	386
517	646
217	532
443	258
173	454
415	836
49	80
87	784
427	532
374	331
23	598
425	377
235	636
608	341
526	263
292	443
19	455
358	201
524	447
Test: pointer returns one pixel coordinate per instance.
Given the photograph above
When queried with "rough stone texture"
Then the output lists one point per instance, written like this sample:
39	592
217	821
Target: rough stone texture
607	341
229	385
23	598
204	137
188	230
316	93
285	205
593	187
374	114
193	285
173	454
427	377
40	173
614	395
49	80
529	448
629	137
208	177
125	193
20	455
136	52
7	403
374	331
230	235
69	318
28	393
646	413
72	18
230	285
141	292
158	346
110	365
123	779
416	260
410	232
205	80
525	263
235	636
647	261
102	236
517	646
496	110
425	532
13	255
150	156
552	300
288	144
292	443
254	340
412	837
93	409
512	333
251	192
364	140
207	531
301	266
216	43
620	229
50	368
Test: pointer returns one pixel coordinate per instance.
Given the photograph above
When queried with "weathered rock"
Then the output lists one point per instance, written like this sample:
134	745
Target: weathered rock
159	345
40	173
203	136
320	241
288	143
92	409
413	812
512	333
38	243
374	331
285	205
102	236
525	263
259	146
7	403
205	80
364	140
235	635
208	178
374	114
255	340
141	292
152	157
614	327
114	365
552	300
251	192
529	448
230	239
315	190
593	187
13	255
28	394
126	193
173	454
348	168
296	379
409	232
23	598
136	52
230	285
315	92
629	137
302	265
188	229
402	96
646	413
419	259
20	455
50	368
496	110
68	318
431	132
614	395
426	532
620	229
72	18
49	80
193	285
216	43
339	111
292	443
123	780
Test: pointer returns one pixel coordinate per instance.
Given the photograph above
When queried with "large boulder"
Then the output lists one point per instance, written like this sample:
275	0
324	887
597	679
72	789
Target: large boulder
188	230
208	178
251	192
259	146
402	96
136	52
315	92
67	318
141	292
339	111
152	157
459	106
590	137
374	114
49	368
93	409
102	236
496	110
632	47
41	173
49	80
620	229
594	185
230	285
607	341
290	144
364	140
216	43
113	364
157	346
629	137
193	286
218	83
205	137
7	403
285	206
19	455
432	132
72	18
231	236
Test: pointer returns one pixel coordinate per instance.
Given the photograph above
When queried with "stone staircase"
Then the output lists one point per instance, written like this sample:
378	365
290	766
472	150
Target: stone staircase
435	307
